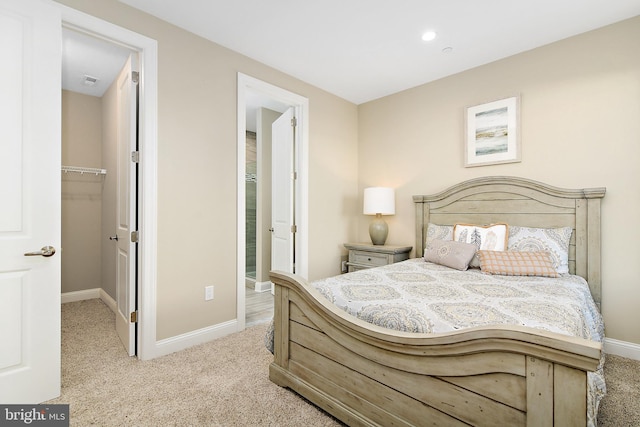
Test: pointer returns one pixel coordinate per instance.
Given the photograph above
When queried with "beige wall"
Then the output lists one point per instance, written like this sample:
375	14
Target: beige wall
81	194
580	128
197	169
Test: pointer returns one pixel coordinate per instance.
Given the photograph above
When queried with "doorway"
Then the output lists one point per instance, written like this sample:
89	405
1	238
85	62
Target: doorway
262	113
147	50
259	104
98	133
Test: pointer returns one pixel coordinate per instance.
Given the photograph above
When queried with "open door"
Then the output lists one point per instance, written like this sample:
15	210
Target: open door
30	156
126	257
282	193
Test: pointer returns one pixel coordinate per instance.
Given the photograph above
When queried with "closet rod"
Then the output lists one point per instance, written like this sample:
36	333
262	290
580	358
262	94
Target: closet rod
82	170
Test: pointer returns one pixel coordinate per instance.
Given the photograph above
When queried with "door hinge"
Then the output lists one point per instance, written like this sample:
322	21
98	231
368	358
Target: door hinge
134	317
135	156
294	122
135	76
294	228
294	175
134	236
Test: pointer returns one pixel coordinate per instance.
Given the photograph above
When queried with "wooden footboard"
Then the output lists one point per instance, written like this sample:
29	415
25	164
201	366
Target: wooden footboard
367	375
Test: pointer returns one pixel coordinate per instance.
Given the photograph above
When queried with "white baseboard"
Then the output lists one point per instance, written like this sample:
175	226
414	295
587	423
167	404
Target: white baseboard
110	302
622	348
262	286
80	295
200	336
89	294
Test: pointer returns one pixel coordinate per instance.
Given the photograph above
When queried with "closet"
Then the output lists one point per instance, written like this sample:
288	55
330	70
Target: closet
88	194
89	170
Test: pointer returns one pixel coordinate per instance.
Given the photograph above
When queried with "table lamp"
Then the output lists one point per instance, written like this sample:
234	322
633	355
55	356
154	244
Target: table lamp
379	201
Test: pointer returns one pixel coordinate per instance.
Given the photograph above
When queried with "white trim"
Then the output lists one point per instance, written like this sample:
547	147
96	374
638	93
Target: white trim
241	262
87	294
74	296
622	348
262	286
109	302
148	214
301	105
200	336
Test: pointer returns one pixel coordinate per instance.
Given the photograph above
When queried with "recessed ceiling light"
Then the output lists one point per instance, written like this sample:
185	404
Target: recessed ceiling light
429	35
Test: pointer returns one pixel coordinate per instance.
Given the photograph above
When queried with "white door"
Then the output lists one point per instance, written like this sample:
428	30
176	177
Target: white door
126	217
282	193
30	159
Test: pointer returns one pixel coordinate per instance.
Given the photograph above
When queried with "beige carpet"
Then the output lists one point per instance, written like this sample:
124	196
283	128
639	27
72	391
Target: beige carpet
221	383
621	405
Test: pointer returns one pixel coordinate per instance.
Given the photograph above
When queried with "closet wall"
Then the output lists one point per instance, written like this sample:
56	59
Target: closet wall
81	193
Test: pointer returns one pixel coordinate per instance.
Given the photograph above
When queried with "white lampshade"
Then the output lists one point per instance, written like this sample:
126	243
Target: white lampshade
379	200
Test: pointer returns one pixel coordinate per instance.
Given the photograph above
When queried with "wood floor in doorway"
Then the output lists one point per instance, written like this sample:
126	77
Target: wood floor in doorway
259	307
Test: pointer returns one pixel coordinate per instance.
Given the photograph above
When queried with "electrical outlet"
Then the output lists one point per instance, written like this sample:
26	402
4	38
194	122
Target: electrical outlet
208	293
344	266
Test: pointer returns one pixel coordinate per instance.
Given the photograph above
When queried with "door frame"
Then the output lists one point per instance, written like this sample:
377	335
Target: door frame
147	49
247	83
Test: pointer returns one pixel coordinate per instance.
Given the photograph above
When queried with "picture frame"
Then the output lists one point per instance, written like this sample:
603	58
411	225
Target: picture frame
492	134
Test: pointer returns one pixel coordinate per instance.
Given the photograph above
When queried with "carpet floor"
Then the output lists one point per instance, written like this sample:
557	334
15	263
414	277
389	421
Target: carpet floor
221	383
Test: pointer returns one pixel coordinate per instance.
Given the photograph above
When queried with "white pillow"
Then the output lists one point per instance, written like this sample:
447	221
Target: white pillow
492	237
552	240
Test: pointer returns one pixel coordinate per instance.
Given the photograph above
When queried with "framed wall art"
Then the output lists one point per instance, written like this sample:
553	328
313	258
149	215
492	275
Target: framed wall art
492	134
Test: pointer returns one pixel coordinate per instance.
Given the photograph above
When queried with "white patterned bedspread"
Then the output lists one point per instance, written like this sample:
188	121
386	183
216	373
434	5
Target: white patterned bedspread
418	296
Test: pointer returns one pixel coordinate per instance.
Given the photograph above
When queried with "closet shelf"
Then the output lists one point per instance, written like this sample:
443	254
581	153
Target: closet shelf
81	170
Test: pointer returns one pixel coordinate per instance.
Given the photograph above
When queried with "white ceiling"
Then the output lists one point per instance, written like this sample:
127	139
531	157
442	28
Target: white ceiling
84	55
361	50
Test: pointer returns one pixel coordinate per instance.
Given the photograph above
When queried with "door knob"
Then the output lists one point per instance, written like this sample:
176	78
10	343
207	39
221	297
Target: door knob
272	229
114	237
46	251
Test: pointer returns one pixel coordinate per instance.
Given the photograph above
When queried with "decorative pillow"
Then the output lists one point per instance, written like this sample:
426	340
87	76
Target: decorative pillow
450	253
517	263
440	232
552	240
493	237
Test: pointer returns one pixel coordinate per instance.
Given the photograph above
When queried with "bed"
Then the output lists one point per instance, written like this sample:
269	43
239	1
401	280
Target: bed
488	374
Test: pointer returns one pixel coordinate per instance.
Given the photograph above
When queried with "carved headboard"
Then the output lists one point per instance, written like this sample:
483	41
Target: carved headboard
523	202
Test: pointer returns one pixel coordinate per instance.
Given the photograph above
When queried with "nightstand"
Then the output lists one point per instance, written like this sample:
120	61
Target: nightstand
367	255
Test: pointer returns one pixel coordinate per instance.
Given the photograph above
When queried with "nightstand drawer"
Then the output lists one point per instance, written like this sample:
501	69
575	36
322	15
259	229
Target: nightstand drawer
368	258
365	255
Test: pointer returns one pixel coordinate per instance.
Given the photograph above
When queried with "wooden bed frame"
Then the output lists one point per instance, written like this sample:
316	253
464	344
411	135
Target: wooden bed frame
499	375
